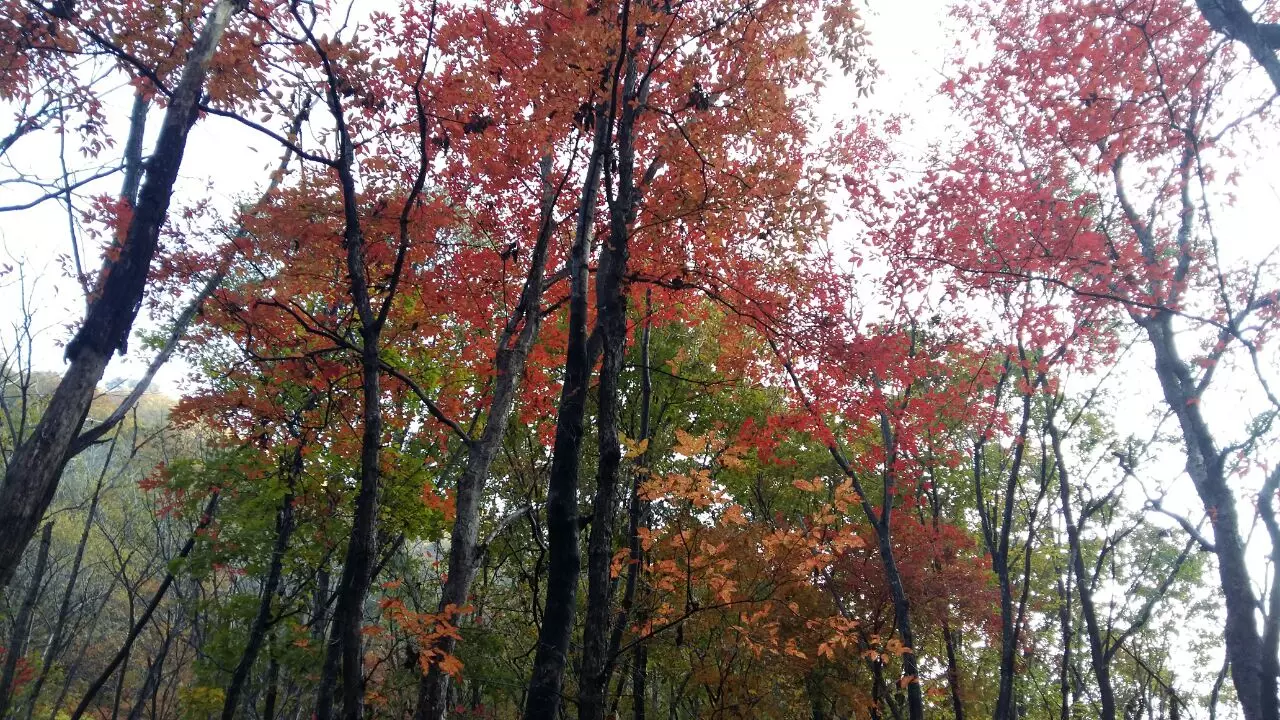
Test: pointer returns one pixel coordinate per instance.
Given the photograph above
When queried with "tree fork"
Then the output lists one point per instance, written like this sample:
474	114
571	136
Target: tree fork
611	322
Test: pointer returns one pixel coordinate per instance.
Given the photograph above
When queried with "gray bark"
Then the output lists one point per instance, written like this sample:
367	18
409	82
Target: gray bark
1230	18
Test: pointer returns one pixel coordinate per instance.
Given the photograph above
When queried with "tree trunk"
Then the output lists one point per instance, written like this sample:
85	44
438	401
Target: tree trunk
953	670
133	148
154	672
817	703
36	464
345	641
902	618
638	510
1205	465
262	619
882	522
320	604
74	669
950	638
637	514
1097	644
542	701
639	678
54	646
611	324
898	595
901	603
1271	622
997	539
120	680
1064	628
1233	19
273	689
17	648
344	644
509	362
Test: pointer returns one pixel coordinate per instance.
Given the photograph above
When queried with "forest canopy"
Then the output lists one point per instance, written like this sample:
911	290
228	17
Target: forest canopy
625	359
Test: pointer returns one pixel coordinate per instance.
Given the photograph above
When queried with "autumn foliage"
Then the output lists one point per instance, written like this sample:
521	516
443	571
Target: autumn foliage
579	294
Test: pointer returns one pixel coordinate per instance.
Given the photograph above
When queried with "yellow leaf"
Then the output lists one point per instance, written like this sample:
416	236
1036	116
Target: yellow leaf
634	449
732	458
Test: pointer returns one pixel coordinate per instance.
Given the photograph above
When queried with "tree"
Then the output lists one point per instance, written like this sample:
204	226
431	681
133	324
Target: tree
1099	192
36	463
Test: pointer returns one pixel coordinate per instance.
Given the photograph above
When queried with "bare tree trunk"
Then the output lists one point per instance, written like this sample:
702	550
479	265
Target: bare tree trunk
639	679
1097	644
953	670
133	148
74	668
345	646
1271	621
320	604
1206	466
637	517
344	639
638	510
155	670
120	680
21	632
996	536
37	463
1206	462
902	618
1231	18
950	637
273	689
1064	627
54	646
